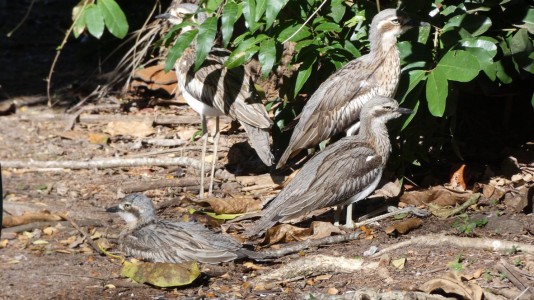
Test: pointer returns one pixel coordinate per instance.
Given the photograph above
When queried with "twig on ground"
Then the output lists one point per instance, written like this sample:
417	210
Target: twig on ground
303	245
414	210
165	142
104	163
311	266
34	225
87	237
433	240
511	273
152	185
75	116
99	119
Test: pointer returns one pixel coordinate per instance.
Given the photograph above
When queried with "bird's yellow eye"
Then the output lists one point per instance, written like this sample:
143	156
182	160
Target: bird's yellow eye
388	108
126	205
395	21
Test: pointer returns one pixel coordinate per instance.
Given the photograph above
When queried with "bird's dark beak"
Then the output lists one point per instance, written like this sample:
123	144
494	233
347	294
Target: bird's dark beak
113	209
164	16
405	111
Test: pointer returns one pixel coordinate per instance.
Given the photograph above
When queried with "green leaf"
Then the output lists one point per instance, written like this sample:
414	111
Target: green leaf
411	116
243	53
161	274
483	50
272	11
337	10
328	27
532	101
304	72
205	40
288	31
213	5
459	65
114	18
349	46
79	16
415	76
184	40
261	6
267	56
436	92
214	215
249	11
230	15
474	24
94	20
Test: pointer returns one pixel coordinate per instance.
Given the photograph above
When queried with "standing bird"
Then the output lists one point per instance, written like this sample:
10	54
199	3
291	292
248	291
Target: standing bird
171	242
337	103
214	90
345	172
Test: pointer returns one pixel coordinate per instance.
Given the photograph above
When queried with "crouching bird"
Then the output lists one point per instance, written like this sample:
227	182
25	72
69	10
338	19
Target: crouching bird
171	242
344	173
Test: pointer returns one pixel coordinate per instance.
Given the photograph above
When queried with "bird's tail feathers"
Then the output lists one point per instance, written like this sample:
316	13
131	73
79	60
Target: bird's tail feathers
259	138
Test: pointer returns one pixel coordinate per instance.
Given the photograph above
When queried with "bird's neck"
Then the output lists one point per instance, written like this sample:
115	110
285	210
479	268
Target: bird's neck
376	134
382	46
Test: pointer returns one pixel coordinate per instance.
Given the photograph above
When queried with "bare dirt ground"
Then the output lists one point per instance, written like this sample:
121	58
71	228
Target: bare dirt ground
56	262
59	264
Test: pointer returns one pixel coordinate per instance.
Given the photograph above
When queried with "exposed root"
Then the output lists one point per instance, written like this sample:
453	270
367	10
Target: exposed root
434	240
311	266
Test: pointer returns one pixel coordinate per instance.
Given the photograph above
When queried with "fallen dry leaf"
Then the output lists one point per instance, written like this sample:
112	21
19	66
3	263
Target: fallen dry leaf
437	195
451	285
50	230
252	266
288	233
161	274
457	181
404	227
137	129
399	263
28	217
98	138
332	291
237	205
4	243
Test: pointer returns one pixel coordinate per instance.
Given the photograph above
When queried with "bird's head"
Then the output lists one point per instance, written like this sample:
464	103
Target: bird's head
136	210
382	109
388	24
183	12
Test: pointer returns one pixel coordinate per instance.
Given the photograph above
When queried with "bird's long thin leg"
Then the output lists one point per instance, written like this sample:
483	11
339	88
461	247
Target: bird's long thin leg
203	158
349	223
214	160
337	214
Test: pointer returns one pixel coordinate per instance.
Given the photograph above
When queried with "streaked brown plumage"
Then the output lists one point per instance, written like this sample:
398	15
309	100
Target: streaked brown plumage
168	241
337	103
344	173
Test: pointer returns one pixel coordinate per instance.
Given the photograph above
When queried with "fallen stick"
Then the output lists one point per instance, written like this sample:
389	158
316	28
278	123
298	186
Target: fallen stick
303	245
87	237
103	163
35	225
511	273
433	240
162	183
96	119
312	266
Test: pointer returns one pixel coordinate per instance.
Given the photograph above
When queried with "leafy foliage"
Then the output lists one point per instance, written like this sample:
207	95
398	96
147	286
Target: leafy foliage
471	47
95	15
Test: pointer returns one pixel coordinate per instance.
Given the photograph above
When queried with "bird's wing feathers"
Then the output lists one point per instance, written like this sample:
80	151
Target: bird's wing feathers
333	100
230	91
179	242
328	179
